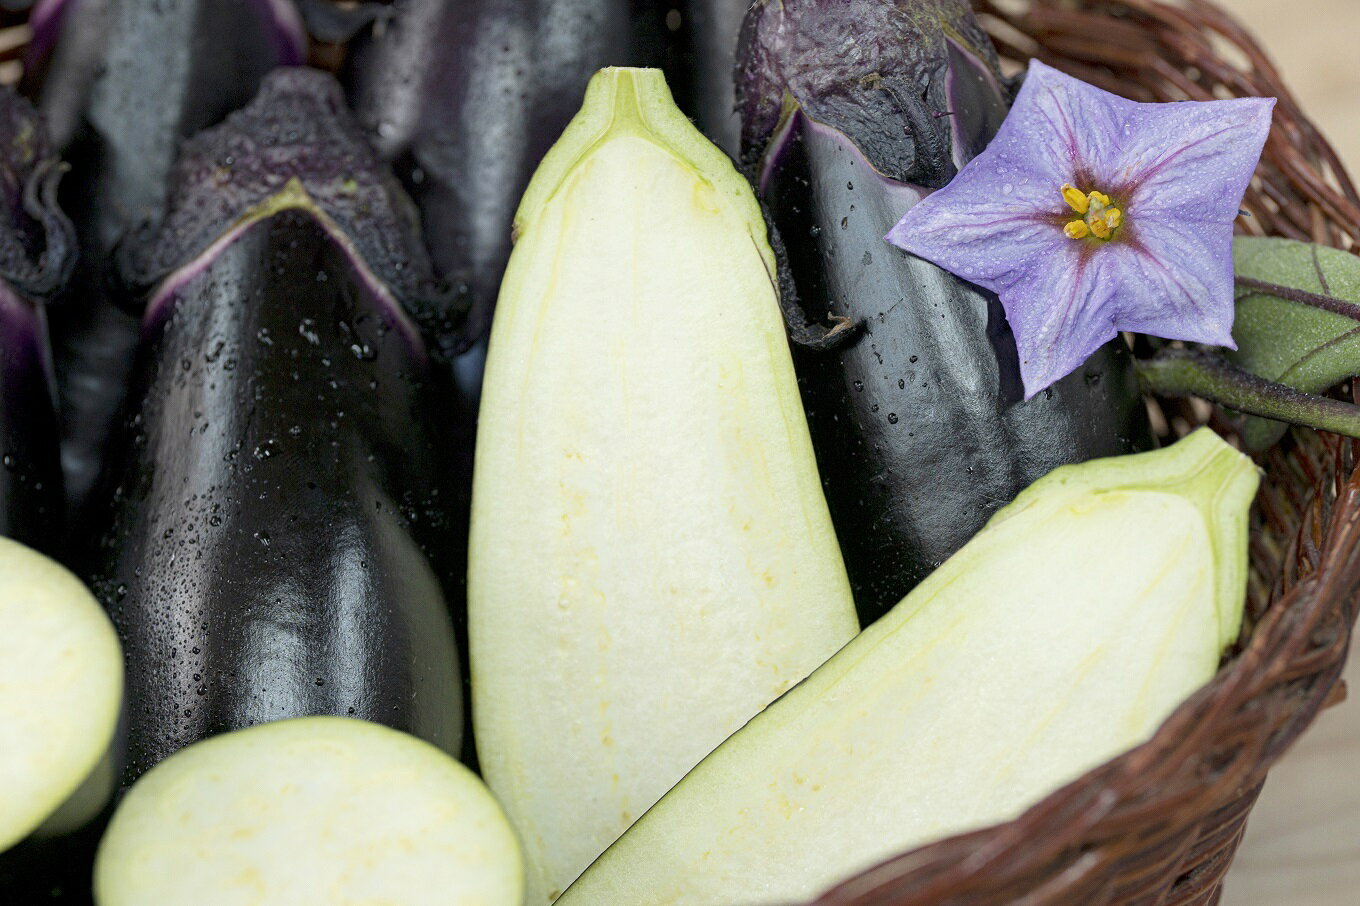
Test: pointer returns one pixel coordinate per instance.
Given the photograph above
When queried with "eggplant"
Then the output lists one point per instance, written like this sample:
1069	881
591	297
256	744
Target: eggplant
37	252
61	684
1059	637
313	810
714	26
465	99
279	521
910	376
651	559
121	83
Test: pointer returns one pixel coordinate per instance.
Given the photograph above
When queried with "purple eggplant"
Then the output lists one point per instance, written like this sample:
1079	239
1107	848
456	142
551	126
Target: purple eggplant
279	513
37	251
121	83
910	376
714	26
465	99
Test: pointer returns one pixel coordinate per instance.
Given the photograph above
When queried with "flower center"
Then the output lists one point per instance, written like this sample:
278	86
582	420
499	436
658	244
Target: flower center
1099	217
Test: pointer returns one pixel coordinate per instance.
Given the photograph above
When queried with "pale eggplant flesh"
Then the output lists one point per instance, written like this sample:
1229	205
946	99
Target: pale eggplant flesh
279	541
1059	637
121	84
651	559
312	810
909	375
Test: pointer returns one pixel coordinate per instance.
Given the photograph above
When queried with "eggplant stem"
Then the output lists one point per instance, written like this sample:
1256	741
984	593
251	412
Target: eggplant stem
1301	297
1184	372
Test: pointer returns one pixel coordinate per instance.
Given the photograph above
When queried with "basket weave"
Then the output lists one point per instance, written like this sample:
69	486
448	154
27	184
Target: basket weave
1160	824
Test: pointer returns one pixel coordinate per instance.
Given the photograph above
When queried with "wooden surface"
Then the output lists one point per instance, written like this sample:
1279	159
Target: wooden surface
1303	840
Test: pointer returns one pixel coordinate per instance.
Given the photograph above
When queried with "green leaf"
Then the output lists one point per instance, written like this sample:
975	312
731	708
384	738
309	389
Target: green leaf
1298	318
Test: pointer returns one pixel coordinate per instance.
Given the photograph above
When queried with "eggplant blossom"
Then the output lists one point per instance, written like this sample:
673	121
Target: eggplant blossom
1090	214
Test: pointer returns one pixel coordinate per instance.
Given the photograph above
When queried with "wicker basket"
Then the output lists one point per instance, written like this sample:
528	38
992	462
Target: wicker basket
1160	824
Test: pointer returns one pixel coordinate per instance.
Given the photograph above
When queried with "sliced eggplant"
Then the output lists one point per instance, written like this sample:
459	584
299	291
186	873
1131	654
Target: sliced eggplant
278	522
121	83
1062	635
61	688
651	556
37	252
914	399
314	810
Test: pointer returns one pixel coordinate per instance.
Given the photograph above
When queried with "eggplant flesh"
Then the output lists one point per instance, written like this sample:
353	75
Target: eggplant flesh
917	414
121	83
279	520
298	810
1062	635
651	559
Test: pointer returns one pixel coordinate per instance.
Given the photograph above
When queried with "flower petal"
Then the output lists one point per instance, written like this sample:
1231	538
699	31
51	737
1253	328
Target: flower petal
1065	129
1060	316
993	243
1173	280
1193	161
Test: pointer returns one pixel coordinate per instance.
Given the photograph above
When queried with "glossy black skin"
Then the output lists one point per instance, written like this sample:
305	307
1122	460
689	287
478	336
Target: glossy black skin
466	98
123	82
915	403
275	497
37	251
30	458
713	29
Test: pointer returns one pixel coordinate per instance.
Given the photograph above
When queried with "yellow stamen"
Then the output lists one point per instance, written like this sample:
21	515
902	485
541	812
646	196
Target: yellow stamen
1077	229
1100	228
1099	199
1113	217
1075	199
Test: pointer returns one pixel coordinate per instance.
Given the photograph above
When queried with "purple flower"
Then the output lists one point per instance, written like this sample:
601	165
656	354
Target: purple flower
1089	214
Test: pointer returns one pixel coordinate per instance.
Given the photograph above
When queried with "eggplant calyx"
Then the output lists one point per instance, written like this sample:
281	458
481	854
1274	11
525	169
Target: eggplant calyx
295	146
892	84
37	242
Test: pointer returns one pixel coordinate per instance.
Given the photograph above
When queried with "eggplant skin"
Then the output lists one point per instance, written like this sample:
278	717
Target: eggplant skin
262	561
121	84
465	99
917	415
280	517
37	252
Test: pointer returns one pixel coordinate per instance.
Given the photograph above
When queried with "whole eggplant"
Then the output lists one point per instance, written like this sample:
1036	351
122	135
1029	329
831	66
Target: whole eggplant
465	99
914	395
121	83
37	251
278	513
714	27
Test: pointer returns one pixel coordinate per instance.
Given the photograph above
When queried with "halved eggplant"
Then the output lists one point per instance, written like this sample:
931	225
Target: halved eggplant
61	688
279	521
121	83
651	556
1062	635
37	252
914	398
315	810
